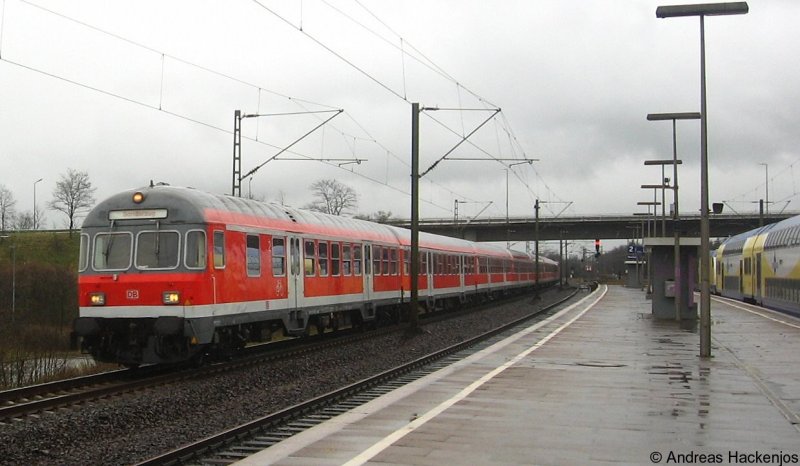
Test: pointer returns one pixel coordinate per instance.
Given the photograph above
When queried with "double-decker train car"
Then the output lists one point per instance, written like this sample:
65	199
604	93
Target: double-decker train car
763	266
167	274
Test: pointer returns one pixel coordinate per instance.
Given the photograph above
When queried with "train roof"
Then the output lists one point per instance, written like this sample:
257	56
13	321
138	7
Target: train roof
191	206
771	228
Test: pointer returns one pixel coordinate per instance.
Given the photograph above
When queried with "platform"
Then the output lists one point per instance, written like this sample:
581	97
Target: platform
596	384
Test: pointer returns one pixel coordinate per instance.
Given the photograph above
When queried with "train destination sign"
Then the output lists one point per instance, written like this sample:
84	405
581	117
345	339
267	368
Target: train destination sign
138	214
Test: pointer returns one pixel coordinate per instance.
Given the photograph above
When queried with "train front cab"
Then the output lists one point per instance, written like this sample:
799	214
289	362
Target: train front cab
136	282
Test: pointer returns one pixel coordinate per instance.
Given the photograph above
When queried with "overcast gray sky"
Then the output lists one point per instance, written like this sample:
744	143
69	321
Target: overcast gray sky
134	91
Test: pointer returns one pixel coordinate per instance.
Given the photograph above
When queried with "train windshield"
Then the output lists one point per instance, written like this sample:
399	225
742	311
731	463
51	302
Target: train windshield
157	250
112	251
146	250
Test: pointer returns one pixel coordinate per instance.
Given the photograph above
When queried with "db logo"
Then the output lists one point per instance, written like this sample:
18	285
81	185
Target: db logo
132	294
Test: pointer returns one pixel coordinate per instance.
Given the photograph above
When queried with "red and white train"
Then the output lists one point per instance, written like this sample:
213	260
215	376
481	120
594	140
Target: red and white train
168	273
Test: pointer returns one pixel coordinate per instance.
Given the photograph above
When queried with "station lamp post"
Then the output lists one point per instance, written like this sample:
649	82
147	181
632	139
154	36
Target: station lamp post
766	180
703	10
647	216
655	205
35	226
676	216
663	187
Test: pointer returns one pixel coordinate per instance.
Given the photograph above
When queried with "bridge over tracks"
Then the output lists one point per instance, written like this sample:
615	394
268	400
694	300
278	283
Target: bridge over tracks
588	227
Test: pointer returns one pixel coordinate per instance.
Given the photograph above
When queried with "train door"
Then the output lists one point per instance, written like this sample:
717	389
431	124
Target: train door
741	276
462	262
757	288
368	280
295	279
429	271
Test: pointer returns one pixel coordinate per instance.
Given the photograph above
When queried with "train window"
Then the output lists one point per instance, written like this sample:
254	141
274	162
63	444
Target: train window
335	260
83	259
385	262
253	256
357	259
346	259
112	251
219	249
195	254
406	261
393	264
278	257
323	258
376	259
310	259
157	250
423	263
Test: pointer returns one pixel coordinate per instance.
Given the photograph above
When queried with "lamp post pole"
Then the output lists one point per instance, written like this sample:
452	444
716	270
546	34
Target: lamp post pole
703	10
536	233
649	261
35	225
676	216
766	181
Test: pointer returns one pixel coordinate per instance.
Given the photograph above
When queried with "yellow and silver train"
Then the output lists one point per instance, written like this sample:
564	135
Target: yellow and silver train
762	266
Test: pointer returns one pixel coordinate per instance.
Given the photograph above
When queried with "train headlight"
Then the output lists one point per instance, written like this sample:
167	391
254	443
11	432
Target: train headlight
171	297
97	298
138	197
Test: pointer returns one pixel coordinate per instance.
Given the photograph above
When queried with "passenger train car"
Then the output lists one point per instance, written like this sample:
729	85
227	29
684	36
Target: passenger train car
167	274
762	266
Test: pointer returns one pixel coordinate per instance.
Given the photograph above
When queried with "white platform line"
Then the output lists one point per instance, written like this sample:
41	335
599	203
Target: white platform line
387	441
753	311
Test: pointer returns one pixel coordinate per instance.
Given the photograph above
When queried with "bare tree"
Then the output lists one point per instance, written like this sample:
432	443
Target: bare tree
280	198
73	195
332	197
24	221
7	203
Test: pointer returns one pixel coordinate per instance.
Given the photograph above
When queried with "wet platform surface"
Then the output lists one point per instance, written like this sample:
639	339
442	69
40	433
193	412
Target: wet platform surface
605	384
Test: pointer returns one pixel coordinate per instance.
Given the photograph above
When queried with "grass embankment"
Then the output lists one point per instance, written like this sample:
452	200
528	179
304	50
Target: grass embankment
38	301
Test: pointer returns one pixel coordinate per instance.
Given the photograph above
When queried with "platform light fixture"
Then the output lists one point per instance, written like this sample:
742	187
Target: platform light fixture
703	10
676	216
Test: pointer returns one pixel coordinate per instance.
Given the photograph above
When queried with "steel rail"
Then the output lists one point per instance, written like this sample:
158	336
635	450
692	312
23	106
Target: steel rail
222	440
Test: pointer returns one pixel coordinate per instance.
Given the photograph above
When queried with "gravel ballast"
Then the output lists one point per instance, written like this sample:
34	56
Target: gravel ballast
133	427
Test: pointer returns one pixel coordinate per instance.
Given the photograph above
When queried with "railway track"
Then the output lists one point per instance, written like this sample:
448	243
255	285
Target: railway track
61	394
38	399
242	441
